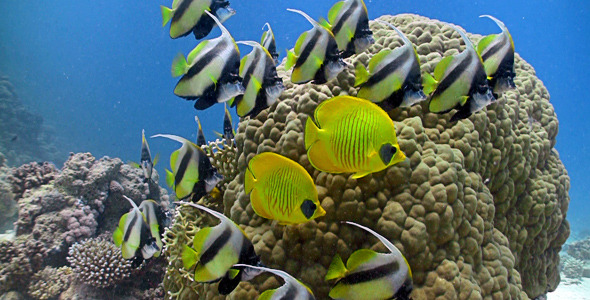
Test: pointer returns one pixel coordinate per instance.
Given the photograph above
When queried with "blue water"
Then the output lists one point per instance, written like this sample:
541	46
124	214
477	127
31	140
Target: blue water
99	71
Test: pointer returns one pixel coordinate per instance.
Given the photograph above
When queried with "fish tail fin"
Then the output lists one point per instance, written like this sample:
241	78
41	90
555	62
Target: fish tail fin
336	269
179	65
189	257
169	179
429	83
291	59
311	133
167	14
361	75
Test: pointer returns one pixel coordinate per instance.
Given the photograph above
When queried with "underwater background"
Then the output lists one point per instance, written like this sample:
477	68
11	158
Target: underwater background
98	72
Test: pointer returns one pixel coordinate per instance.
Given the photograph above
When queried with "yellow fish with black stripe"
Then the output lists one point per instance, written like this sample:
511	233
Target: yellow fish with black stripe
370	275
461	83
135	236
351	135
216	249
497	53
281	189
192	174
188	16
293	289
315	56
393	79
349	22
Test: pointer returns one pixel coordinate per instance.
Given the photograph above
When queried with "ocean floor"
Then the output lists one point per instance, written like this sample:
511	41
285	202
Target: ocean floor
578	289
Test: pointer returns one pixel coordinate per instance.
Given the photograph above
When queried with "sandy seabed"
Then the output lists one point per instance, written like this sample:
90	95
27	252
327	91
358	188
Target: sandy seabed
567	290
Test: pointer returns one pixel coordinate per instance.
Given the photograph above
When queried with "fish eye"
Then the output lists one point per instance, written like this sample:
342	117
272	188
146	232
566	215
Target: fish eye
308	208
387	152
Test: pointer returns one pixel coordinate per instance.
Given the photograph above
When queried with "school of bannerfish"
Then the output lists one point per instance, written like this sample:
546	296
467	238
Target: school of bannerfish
345	135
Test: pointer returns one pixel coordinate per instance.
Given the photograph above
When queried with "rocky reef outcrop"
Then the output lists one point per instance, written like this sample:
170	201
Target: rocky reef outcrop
478	209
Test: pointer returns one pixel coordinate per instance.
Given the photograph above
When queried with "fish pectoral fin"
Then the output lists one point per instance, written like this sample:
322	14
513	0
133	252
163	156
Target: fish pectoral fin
336	269
429	83
463	100
358	175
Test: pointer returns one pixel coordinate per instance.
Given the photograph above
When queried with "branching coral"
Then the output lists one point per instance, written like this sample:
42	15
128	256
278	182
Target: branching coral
478	208
99	263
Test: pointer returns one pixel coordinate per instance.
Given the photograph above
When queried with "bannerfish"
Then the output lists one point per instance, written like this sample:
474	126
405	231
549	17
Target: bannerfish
210	73
370	275
145	163
281	189
228	128
189	15
201	140
263	85
497	53
216	249
134	236
351	135
349	22
293	289
393	79
315	56
192	174
461	83
155	219
268	42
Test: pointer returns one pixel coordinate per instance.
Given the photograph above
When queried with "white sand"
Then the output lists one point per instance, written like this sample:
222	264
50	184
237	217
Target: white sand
566	290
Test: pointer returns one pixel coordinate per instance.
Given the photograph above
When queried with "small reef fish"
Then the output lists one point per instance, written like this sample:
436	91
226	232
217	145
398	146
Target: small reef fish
316	56
281	189
293	289
134	235
369	275
145	163
351	135
201	140
216	249
189	15
155	219
210	73
263	85
192	174
349	21
268	42
461	83
393	79
228	128
497	52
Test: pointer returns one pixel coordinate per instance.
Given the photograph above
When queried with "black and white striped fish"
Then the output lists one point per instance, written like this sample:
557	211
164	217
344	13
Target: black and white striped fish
156	220
393	79
210	71
192	173
216	249
316	56
293	289
263	85
497	52
370	275
461	83
201	140
189	16
268	42
349	21
134	235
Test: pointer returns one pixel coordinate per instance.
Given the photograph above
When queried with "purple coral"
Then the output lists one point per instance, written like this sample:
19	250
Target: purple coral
31	175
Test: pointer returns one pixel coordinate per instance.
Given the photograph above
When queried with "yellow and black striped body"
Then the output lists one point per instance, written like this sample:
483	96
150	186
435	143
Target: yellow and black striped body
349	20
281	189
201	140
316	56
211	72
350	135
292	289
146	162
260	78
134	235
497	53
154	217
189	16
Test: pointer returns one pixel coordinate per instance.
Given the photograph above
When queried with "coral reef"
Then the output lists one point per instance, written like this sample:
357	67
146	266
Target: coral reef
58	208
8	208
24	137
580	249
478	209
99	263
50	283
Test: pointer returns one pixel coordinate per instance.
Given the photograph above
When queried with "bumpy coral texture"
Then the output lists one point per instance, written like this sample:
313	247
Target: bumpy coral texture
50	282
478	209
8	208
99	263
